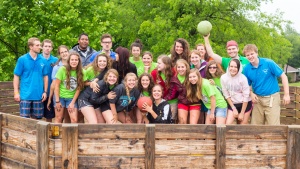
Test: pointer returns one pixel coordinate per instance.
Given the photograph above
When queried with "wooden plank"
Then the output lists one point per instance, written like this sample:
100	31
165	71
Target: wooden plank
287	120
288	112
201	161
132	147
6	85
292	105
42	138
9	93
292	89
255	161
150	146
113	131
25	125
12	164
111	162
293	147
19	154
220	146
19	138
55	147
4	101
255	147
297	90
176	131
292	96
297	107
185	147
11	109
70	146
298	114
256	132
54	162
297	98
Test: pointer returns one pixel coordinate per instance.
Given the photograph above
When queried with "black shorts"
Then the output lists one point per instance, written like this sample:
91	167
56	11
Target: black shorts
104	106
84	103
239	107
49	114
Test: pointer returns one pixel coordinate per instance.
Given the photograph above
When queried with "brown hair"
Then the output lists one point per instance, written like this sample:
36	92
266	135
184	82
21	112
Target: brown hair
47	41
206	57
151	84
194	91
250	47
185	54
137	43
113	71
106	35
168	69
79	72
31	41
218	73
95	63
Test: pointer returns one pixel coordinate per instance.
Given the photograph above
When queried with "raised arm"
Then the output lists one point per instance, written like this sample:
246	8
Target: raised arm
210	51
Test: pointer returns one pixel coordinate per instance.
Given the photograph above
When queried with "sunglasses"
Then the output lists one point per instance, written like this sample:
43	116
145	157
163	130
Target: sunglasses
212	67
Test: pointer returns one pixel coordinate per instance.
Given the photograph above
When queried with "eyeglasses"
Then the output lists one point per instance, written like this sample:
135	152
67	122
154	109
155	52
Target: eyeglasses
212	67
108	42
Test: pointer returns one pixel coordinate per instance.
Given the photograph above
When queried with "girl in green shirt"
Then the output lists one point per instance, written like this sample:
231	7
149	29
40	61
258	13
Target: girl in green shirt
149	65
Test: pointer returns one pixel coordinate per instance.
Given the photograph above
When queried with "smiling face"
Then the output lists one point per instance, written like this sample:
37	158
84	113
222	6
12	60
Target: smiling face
112	79
136	51
232	51
147	60
131	82
252	56
202	51
145	81
63	53
178	48
74	60
212	69
233	69
102	62
157	92
195	59
83	42
181	68
193	78
160	65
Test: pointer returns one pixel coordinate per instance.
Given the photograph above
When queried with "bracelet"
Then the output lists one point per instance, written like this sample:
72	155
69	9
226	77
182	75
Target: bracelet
57	101
17	93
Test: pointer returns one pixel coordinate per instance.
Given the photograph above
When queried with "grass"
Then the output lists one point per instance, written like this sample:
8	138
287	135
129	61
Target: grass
294	84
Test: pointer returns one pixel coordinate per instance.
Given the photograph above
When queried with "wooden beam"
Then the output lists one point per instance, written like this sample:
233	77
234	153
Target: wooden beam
150	146
293	147
70	146
42	147
1	118
220	146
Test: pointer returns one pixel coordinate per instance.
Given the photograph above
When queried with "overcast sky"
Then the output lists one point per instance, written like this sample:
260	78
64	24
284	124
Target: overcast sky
291	9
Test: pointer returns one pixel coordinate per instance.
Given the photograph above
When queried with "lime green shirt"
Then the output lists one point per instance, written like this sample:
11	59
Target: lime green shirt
181	78
62	76
89	74
209	90
139	65
152	67
146	93
217	81
225	62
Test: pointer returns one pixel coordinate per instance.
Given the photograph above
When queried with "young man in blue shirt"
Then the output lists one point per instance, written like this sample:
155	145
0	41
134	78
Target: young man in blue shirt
106	43
262	74
47	47
30	76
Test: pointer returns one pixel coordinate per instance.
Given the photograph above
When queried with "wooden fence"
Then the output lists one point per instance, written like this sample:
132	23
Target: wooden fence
290	114
27	143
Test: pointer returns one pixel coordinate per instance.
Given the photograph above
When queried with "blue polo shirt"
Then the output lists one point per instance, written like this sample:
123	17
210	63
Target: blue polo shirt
112	55
263	79
31	73
50	64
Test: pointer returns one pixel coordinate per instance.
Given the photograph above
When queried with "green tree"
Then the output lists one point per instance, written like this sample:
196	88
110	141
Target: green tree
294	37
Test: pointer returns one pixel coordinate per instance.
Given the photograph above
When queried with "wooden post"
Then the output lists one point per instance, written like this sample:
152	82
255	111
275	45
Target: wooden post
42	145
1	117
69	146
293	147
220	146
150	146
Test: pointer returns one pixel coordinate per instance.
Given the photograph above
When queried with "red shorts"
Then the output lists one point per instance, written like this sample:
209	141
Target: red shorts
189	107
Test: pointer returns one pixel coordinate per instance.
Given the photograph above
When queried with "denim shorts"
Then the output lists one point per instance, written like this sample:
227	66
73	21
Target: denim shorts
219	112
66	101
84	103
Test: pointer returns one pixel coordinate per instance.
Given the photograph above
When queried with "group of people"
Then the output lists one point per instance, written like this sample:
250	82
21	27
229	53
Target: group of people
187	87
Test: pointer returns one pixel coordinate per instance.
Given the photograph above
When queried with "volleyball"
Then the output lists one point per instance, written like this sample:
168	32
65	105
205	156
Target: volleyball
204	27
142	100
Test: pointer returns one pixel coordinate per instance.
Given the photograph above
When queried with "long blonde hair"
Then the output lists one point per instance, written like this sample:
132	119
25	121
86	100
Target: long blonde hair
187	69
126	86
194	91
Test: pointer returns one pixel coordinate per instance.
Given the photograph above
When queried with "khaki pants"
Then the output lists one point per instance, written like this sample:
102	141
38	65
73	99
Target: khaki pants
267	110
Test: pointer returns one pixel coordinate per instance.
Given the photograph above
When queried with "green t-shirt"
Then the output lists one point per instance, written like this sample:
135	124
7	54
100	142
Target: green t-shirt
225	61
139	65
146	93
89	74
152	67
209	90
217	81
181	78
62	76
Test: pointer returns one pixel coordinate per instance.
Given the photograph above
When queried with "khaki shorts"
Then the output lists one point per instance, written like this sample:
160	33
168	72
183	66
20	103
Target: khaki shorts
267	110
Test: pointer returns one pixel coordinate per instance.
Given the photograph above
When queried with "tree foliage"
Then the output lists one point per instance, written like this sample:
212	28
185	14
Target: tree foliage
156	23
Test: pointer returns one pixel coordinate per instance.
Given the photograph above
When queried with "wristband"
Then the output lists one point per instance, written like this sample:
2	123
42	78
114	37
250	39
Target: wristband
17	93
57	101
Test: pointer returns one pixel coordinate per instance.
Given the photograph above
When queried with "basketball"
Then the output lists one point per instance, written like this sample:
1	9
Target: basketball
204	27
142	100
